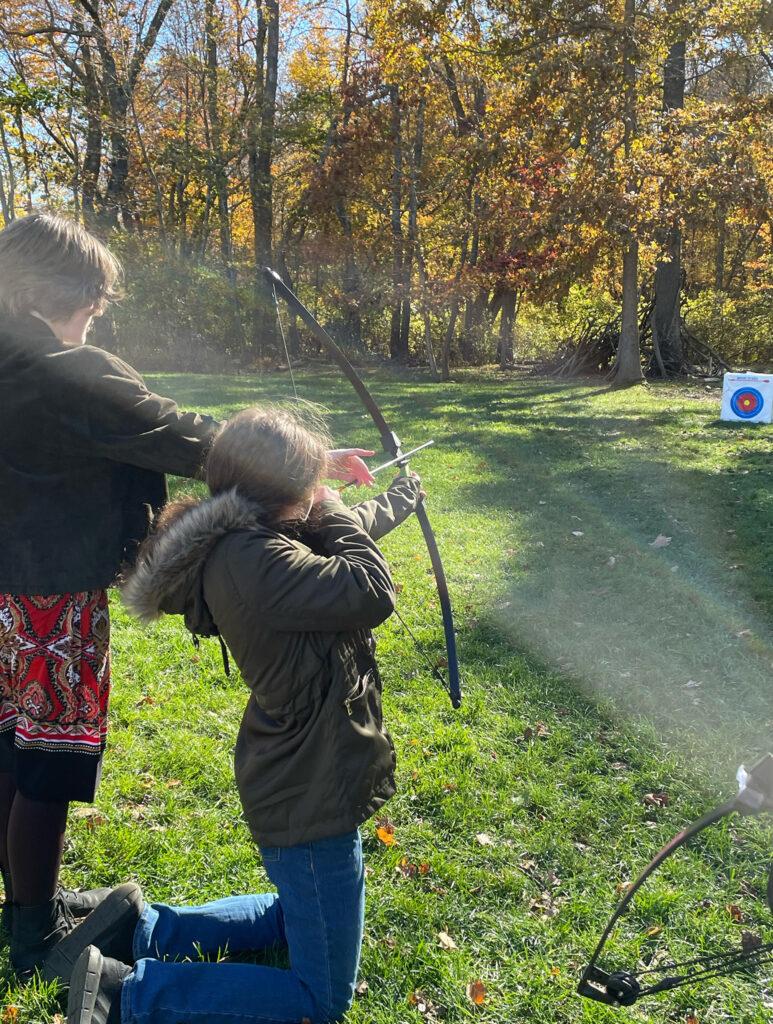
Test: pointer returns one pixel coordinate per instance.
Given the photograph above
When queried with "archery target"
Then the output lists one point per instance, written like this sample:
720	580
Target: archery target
747	398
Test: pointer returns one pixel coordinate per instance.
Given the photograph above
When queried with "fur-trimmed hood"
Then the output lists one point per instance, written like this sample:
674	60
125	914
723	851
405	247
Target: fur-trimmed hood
167	579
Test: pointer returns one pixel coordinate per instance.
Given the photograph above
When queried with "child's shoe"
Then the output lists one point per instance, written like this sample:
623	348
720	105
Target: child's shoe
110	927
82	902
95	989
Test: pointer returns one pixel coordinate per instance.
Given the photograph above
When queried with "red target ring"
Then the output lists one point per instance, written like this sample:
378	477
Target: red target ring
747	403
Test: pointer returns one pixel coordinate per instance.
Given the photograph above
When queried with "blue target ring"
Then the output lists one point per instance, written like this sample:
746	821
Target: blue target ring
747	403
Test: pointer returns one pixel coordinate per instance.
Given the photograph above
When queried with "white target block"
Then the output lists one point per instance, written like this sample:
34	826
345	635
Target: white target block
747	398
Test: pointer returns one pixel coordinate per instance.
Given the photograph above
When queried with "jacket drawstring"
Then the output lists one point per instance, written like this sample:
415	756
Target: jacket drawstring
223	652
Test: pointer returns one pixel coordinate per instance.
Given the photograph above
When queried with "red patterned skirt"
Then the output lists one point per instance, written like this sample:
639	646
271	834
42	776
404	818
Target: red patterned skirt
54	689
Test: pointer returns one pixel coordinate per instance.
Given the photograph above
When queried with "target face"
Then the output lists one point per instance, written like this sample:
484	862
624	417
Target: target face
747	402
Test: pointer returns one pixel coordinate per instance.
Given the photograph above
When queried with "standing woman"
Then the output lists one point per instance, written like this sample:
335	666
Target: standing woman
84	446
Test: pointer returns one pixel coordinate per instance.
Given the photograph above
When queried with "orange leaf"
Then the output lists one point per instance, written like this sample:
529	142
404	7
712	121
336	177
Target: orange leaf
476	993
10	1014
386	833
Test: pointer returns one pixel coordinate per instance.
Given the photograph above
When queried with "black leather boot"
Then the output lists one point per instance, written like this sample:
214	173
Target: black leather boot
6	910
82	902
110	927
95	989
35	931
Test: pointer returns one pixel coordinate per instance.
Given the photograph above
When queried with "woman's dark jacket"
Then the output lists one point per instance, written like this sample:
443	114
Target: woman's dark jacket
84	447
312	756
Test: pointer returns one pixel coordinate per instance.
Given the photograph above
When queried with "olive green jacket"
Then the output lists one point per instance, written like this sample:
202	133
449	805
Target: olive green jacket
313	758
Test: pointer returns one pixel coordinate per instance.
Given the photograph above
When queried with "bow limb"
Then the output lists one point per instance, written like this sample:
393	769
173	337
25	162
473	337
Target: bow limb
392	444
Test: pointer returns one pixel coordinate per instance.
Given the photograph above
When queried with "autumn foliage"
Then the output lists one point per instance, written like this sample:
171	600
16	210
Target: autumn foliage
444	183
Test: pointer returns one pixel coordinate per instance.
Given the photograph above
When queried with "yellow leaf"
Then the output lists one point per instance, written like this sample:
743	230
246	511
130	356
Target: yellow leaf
10	1014
446	941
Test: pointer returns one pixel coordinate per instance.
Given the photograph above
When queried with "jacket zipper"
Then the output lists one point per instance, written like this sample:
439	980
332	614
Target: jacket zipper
357	692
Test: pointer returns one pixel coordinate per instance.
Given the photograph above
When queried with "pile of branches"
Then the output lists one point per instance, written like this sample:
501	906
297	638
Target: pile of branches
594	350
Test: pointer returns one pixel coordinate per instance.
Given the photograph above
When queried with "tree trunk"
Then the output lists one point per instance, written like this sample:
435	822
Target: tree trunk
92	160
628	364
666	318
25	158
9	208
260	146
719	255
506	325
449	340
216	155
396	351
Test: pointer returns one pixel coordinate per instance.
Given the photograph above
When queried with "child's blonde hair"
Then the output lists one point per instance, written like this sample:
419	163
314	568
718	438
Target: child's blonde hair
53	266
271	455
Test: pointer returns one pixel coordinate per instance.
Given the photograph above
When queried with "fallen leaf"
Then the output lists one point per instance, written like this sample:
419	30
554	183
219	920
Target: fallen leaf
577	533
555	971
661	541
361	988
660	799
385	831
91	816
654	930
10	1014
424	868
476	993
406	868
145	699
735	912
484	839
423	1004
173	783
446	941
611	562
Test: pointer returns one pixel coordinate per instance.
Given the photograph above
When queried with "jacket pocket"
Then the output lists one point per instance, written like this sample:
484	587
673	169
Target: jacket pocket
358	692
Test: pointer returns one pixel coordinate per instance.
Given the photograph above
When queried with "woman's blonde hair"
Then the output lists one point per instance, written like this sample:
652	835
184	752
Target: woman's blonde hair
53	266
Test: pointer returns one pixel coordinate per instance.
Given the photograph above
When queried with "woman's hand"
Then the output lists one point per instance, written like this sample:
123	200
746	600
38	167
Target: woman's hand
346	464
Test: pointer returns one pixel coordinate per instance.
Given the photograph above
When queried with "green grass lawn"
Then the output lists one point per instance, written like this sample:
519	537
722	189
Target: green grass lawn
598	668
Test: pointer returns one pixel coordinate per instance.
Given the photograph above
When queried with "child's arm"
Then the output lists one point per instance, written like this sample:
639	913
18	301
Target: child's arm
381	514
296	590
107	409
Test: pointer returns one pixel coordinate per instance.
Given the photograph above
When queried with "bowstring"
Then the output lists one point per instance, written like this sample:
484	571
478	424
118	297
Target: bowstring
433	668
284	342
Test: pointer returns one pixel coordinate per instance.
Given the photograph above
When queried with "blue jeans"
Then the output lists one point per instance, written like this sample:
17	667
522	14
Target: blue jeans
318	913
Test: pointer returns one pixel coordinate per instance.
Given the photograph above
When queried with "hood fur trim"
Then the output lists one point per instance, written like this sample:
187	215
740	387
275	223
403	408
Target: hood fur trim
175	562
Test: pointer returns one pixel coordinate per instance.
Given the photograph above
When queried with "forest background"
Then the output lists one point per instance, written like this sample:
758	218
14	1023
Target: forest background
448	183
